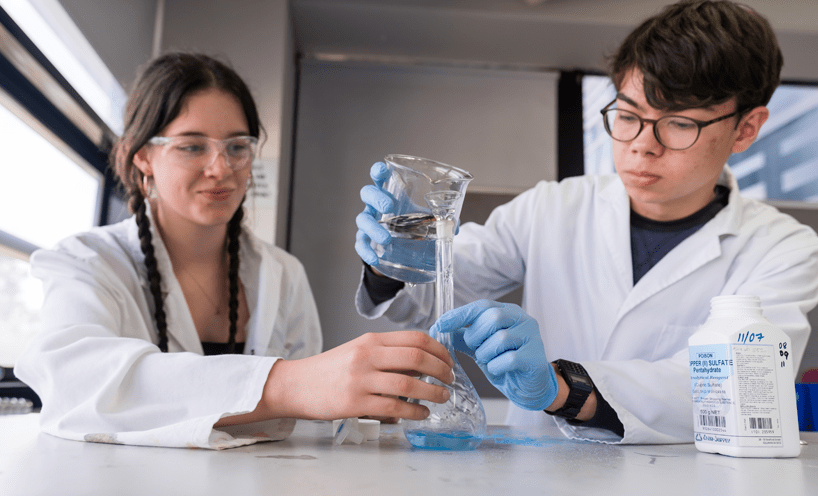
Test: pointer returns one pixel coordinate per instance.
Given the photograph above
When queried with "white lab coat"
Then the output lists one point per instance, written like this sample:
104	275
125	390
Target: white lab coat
101	377
568	245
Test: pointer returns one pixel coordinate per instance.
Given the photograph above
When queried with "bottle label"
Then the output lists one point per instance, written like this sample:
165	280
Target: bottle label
711	380
757	383
735	394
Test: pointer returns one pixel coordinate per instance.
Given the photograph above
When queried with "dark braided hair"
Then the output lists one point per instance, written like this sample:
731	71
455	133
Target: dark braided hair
137	205
158	97
233	231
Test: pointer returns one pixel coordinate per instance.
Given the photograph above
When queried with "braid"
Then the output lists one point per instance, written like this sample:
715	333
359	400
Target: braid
233	232
137	204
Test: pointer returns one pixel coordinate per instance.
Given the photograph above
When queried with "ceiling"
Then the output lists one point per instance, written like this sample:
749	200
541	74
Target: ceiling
787	15
543	34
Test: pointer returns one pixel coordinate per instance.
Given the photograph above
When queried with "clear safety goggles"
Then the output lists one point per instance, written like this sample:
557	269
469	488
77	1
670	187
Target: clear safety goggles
200	152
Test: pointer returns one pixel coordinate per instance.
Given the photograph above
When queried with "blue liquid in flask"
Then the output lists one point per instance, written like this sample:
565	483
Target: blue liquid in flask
449	441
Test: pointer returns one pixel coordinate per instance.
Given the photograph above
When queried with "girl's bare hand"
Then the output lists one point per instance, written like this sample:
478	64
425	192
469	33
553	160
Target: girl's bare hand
363	377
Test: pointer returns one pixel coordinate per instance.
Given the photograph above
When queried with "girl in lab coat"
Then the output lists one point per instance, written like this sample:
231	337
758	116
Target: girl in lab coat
130	309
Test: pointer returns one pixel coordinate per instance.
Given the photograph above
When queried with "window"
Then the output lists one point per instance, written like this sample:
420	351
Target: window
597	91
781	165
50	28
58	106
21	297
56	192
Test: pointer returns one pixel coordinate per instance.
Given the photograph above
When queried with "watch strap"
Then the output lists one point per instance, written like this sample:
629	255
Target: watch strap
577	394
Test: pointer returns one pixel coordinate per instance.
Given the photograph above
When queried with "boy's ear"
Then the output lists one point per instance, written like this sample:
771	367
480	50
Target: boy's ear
748	128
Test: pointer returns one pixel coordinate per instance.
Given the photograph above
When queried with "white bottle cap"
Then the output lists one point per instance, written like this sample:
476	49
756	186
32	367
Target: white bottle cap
346	429
355	430
371	429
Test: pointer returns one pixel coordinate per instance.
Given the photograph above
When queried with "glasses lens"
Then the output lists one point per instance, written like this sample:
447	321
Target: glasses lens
188	151
622	125
198	152
677	133
240	151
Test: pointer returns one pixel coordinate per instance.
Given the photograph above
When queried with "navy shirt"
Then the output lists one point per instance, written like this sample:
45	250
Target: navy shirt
651	239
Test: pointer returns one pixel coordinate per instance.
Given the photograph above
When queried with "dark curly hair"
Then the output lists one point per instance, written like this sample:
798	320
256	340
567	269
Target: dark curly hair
698	53
157	99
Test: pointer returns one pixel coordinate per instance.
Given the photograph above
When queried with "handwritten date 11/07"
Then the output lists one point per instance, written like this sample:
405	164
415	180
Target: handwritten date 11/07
750	337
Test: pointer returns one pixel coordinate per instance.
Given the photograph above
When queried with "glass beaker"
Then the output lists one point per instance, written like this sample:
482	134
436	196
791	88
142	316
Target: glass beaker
409	257
460	423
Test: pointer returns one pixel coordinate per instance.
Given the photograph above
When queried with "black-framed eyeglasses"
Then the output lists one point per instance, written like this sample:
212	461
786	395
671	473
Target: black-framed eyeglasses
674	132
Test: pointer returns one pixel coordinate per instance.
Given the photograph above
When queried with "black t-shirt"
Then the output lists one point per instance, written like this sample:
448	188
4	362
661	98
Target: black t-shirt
211	348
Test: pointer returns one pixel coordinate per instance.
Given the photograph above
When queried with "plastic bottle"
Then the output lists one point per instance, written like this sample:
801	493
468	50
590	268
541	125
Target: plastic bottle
741	377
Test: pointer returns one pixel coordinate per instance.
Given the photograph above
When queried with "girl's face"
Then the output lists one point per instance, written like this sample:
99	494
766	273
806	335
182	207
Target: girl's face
203	191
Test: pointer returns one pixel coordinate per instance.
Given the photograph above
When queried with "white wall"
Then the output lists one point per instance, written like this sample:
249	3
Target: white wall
120	32
498	125
255	37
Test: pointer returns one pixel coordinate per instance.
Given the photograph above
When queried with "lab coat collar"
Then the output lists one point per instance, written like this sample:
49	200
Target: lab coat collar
731	217
261	275
691	254
255	261
728	221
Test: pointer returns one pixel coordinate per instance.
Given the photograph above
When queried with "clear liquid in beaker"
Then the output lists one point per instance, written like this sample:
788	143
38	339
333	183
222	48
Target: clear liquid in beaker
410	257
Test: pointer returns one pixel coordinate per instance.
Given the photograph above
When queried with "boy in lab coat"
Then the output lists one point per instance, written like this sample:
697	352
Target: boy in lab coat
618	270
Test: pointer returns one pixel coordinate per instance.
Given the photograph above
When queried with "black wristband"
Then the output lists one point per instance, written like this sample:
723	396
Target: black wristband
380	288
605	417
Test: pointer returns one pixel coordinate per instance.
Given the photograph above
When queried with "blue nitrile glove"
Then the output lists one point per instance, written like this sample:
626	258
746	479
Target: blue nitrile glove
506	344
377	202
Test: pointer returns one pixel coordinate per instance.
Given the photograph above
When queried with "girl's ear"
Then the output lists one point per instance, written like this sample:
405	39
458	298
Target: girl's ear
749	127
142	161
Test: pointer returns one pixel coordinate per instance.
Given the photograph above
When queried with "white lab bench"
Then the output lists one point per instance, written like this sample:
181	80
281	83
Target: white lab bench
510	462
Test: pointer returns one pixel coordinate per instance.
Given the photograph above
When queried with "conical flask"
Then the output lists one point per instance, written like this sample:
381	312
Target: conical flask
460	423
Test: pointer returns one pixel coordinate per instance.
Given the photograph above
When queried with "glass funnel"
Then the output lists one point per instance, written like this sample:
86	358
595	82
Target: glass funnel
460	423
409	256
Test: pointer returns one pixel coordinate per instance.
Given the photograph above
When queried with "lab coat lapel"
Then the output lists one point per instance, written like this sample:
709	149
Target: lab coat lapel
180	321
181	328
264	303
614	253
691	254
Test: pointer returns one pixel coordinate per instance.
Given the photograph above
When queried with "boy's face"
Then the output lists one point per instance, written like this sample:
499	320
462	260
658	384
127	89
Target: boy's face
668	184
